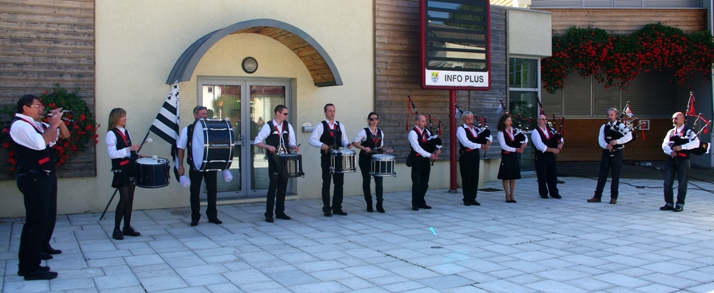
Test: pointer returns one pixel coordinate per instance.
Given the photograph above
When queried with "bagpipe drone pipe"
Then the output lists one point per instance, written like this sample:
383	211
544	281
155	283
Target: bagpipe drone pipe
433	142
704	147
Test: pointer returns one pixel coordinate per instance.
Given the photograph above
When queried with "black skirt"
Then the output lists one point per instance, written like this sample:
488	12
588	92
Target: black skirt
510	167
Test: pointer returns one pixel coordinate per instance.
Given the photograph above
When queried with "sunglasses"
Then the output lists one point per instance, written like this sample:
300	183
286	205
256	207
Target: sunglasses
286	114
373	119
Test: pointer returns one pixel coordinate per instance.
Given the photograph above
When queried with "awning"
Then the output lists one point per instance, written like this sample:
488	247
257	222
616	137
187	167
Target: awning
318	63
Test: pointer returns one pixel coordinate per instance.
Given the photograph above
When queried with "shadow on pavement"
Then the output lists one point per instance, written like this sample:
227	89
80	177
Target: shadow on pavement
631	170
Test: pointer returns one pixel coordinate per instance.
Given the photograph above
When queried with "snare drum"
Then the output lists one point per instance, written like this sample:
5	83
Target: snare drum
342	161
152	173
290	165
212	145
382	166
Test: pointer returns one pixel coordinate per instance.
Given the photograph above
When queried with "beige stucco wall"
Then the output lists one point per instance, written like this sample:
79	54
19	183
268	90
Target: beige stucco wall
529	32
138	42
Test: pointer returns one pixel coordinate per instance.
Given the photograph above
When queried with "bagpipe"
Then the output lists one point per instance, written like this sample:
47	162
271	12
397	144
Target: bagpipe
519	135
432	141
626	123
481	126
676	140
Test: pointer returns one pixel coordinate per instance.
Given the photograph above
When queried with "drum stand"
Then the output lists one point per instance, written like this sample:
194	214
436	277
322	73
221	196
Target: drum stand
110	202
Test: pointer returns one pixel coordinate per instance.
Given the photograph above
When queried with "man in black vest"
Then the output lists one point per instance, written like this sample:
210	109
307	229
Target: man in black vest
611	155
421	162
184	143
36	179
677	163
327	136
469	157
278	135
547	145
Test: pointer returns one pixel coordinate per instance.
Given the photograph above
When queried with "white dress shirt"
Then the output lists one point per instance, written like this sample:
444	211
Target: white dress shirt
265	131
623	140
464	139
111	141
692	144
502	140
317	133
25	134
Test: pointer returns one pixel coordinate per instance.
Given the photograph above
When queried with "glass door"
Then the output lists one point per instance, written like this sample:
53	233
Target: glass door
247	104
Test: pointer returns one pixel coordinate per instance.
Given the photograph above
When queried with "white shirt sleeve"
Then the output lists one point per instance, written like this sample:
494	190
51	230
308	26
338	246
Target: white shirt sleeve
315	136
361	136
183	140
625	139
537	141
601	137
264	133
414	142
292	141
502	143
693	141
114	153
382	141
464	139
665	143
25	135
345	141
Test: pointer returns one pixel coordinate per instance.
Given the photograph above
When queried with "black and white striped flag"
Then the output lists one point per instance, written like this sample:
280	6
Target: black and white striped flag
166	124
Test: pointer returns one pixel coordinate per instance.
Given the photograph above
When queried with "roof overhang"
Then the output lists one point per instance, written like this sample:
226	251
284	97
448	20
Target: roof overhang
318	63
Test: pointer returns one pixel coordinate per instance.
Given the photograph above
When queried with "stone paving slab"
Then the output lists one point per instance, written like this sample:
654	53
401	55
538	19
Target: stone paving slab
535	245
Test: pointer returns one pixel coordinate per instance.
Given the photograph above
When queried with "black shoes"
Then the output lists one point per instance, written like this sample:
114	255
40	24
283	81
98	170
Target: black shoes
49	250
22	272
369	208
328	214
424	206
678	208
40	274
215	221
380	208
269	219
557	196
544	196
475	203
340	212
415	208
467	203
45	256
283	216
194	223
666	207
129	231
117	235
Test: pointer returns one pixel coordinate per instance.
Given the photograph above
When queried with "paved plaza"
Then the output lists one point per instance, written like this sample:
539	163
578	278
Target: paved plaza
535	245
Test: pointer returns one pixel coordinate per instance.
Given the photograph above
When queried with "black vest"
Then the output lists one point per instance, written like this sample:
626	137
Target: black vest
29	159
371	141
124	164
422	139
614	134
274	138
683	153
334	140
514	143
551	142
189	144
470	137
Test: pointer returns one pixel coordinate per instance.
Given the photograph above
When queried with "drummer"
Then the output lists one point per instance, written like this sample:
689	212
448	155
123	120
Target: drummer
370	140
276	136
184	143
330	135
123	155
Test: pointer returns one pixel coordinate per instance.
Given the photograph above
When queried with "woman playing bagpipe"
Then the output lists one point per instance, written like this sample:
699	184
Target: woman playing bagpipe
123	155
513	141
471	140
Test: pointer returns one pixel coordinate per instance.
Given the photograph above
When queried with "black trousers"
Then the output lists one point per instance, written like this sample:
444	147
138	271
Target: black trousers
680	166
36	188
276	189
607	163
211	188
365	166
547	172
469	168
421	167
326	180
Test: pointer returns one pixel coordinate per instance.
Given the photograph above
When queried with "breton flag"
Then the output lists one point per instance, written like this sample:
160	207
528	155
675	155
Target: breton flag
166	124
501	109
458	112
628	111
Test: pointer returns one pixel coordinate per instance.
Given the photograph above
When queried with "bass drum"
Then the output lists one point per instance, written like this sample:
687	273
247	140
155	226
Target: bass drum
212	145
152	173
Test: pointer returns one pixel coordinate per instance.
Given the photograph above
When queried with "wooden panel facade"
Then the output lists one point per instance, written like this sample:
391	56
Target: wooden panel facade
43	43
626	21
398	74
581	141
